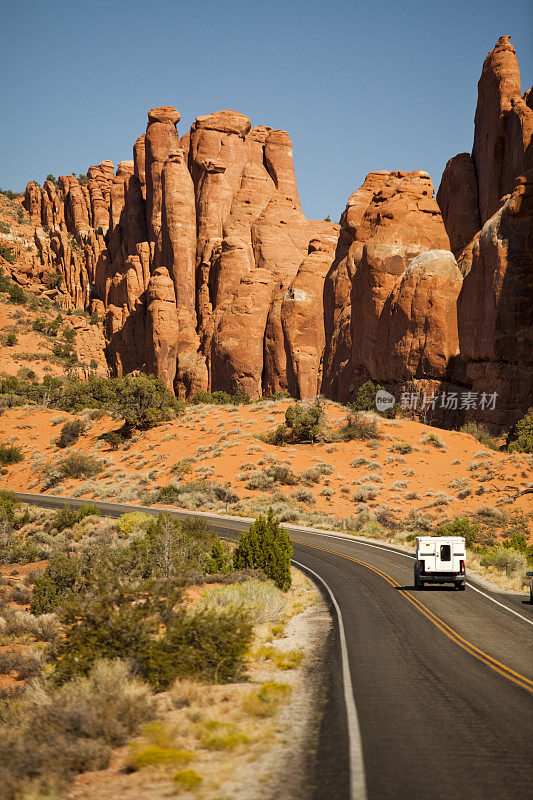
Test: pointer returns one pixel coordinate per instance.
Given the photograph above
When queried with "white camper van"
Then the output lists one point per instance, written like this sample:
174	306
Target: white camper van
440	559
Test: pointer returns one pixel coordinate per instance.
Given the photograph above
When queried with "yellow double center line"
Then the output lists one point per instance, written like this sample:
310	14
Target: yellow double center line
491	662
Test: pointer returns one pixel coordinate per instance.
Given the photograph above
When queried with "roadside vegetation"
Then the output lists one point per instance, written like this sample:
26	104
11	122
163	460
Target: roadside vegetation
141	401
103	623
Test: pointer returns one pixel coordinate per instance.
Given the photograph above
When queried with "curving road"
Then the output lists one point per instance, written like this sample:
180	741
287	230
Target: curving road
430	693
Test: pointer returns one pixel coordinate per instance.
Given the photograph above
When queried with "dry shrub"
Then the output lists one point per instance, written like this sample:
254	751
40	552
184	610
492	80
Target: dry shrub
45	628
260	600
186	692
50	734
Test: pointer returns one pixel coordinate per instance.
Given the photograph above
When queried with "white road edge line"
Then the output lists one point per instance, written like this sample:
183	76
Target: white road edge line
357	767
499	604
407	555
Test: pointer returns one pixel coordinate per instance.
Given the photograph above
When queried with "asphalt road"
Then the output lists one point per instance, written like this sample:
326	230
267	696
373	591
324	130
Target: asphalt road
429	693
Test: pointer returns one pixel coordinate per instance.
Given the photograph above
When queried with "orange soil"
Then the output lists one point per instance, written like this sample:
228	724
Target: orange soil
157	449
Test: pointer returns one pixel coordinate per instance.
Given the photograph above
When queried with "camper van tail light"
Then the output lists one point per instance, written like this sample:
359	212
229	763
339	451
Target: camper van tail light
461	566
422	566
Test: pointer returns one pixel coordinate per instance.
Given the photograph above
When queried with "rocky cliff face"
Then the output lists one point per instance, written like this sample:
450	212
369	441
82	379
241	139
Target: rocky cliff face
208	274
495	308
485	201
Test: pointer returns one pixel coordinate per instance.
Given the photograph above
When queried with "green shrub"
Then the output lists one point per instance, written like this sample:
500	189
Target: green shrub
505	558
141	400
47	326
65	518
88	510
10	454
76	465
521	437
210	645
126	605
4	227
70	433
460	526
220	398
55	584
68	516
219	560
7	253
45	596
266	546
182	466
145	401
113	439
304	423
14	549
11	339
365	399
8	503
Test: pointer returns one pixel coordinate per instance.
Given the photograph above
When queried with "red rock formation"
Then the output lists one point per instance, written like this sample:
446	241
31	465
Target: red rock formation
162	327
503	128
302	317
400	221
459	202
417	329
208	273
337	287
237	349
178	252
32	201
495	310
161	139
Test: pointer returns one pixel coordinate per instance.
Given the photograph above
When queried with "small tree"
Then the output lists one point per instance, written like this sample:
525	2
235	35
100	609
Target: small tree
145	401
65	518
219	560
70	433
304	422
266	546
521	439
460	526
10	454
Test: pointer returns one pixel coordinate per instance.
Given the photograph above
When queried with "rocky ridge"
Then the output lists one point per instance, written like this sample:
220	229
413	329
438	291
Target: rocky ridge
198	257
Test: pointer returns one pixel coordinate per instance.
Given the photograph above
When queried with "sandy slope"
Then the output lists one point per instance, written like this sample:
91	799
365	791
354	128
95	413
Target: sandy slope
221	439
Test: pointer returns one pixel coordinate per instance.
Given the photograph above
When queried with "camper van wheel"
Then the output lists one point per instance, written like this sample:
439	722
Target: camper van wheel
461	586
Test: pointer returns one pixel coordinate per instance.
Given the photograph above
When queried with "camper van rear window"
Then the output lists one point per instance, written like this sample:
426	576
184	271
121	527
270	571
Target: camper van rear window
445	552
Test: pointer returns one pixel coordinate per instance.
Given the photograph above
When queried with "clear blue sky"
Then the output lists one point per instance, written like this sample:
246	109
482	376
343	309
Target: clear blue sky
358	85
